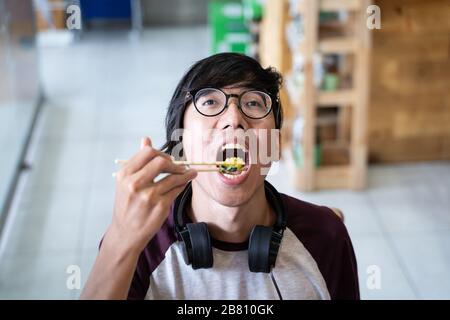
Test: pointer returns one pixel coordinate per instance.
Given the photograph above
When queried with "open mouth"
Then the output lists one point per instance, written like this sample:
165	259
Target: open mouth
235	158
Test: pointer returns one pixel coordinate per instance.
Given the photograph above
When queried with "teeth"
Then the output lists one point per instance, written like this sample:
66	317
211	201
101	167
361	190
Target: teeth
231	176
233	146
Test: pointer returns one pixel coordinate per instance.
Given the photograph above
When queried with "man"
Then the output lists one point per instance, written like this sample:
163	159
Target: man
219	235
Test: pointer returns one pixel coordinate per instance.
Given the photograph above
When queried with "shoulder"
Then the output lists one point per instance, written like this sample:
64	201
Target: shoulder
325	237
313	221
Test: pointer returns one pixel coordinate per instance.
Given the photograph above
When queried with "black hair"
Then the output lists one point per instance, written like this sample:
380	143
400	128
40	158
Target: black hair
221	70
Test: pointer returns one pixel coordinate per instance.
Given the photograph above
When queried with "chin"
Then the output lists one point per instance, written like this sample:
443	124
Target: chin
232	200
231	193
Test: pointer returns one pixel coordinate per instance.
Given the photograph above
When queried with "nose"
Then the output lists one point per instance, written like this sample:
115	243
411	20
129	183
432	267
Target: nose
232	117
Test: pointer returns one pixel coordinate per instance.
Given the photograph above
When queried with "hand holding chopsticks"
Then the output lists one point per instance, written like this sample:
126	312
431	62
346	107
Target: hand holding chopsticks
146	187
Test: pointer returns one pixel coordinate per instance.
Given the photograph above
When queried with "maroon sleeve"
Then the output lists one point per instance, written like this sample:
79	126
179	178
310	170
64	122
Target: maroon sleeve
326	238
150	258
345	285
141	279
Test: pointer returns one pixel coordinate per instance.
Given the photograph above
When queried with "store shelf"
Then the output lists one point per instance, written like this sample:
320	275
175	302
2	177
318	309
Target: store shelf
333	177
335	45
338	45
334	5
340	137
338	97
327	177
342	97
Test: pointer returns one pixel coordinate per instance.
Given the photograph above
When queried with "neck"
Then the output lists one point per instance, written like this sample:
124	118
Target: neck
231	224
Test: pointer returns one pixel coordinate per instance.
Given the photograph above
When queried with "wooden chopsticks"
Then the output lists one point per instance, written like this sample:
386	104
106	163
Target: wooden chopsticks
187	163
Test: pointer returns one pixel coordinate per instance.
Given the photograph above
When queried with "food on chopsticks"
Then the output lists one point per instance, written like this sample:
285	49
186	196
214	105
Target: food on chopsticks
232	165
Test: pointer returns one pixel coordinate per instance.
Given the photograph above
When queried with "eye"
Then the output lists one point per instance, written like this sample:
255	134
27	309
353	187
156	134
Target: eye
208	102
253	104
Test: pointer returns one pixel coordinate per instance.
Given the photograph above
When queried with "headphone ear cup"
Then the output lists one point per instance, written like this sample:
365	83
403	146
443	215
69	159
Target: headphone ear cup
201	249
259	249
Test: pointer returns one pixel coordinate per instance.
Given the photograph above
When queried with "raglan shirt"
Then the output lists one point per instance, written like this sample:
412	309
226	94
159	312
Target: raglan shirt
316	260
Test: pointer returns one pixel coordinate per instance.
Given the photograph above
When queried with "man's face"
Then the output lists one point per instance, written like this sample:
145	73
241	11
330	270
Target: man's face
231	133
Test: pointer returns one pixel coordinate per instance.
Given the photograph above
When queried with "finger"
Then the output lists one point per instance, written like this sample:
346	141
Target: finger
140	159
164	202
146	141
169	197
173	181
160	164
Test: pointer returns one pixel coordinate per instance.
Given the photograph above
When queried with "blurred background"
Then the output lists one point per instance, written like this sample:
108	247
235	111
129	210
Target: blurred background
367	123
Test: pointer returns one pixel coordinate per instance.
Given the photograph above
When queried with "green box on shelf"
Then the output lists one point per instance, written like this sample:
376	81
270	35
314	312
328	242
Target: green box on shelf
253	9
228	29
234	42
299	157
330	82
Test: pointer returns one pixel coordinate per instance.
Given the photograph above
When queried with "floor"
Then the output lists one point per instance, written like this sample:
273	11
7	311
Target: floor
107	91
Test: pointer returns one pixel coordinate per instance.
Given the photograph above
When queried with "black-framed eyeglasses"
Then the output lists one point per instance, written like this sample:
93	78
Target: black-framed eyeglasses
211	102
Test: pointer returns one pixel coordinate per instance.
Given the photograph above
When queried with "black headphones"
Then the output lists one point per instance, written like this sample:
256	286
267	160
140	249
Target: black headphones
264	242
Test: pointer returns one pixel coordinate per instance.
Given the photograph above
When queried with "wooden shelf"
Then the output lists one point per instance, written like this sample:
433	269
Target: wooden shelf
345	163
334	5
326	177
342	97
333	177
338	45
335	45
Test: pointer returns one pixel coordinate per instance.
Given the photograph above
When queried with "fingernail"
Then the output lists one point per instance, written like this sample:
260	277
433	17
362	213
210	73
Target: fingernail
142	143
